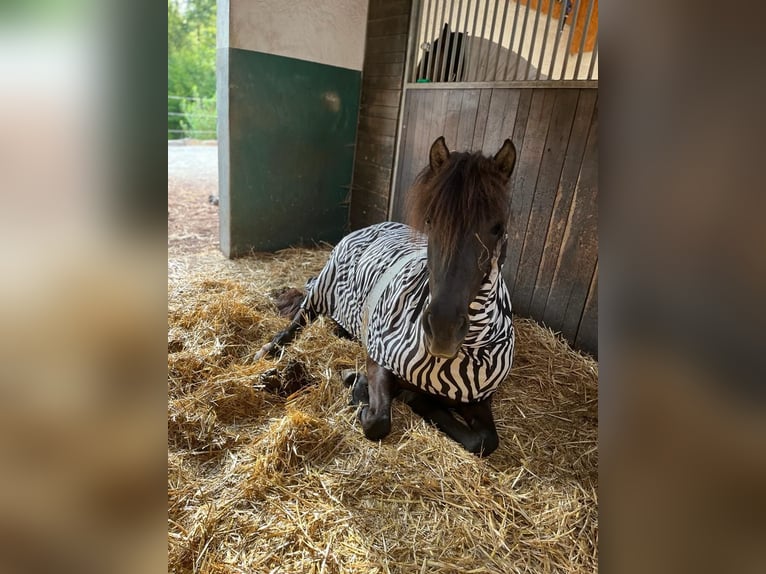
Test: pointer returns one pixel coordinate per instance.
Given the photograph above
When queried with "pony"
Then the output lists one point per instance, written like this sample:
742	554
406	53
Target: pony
427	300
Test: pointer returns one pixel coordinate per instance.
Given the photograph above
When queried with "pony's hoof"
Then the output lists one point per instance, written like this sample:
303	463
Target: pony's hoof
360	394
266	351
348	376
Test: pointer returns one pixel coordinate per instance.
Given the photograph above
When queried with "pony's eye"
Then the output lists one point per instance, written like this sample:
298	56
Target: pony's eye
497	230
428	221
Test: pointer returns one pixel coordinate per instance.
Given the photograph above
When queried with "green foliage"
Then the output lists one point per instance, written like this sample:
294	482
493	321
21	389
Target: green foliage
199	121
191	60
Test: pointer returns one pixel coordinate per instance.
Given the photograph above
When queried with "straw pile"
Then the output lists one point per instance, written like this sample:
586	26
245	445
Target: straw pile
268	469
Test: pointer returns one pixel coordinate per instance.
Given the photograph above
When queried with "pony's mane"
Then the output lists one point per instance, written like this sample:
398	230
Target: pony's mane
466	190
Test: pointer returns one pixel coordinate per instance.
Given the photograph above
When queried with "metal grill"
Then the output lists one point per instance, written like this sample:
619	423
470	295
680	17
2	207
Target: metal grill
503	41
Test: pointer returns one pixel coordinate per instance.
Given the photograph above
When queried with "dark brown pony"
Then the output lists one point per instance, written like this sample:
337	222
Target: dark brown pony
460	201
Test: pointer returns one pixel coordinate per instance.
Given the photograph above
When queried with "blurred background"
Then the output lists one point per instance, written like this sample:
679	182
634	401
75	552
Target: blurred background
82	392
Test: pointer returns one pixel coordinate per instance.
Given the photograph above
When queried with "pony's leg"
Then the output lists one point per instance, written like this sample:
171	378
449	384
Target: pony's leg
478	436
379	387
301	318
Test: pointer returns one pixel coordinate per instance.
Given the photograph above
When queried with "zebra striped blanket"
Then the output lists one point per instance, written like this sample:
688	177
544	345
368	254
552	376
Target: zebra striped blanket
375	285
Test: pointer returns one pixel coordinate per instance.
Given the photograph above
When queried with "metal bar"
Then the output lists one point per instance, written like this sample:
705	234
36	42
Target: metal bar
491	41
483	39
582	40
411	58
545	38
439	28
430	40
513	38
559	32
464	45
196	115
500	39
532	42
473	39
456	31
509	84
521	42
447	42
593	57
575	11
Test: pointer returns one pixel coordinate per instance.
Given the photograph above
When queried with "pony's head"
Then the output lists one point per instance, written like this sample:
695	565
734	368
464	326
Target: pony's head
460	201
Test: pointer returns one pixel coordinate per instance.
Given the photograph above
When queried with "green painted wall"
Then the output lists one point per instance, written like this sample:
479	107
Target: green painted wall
290	128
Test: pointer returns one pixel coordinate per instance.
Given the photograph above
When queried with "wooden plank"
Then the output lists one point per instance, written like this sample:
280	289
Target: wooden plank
385	112
482	111
579	248
381	82
393	43
389	98
411	105
375	152
377	125
366	208
422	134
388	26
385	8
516	120
467	120
452	117
554	150
587	332
503	104
564	194
526	174
372	177
375	69
376	56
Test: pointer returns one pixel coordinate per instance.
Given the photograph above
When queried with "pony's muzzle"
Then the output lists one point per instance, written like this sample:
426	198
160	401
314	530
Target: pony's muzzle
444	333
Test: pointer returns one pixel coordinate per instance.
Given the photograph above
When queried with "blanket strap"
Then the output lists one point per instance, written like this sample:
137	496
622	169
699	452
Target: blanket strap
373	298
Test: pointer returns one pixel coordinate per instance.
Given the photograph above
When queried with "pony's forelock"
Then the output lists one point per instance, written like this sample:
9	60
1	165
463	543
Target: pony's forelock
466	190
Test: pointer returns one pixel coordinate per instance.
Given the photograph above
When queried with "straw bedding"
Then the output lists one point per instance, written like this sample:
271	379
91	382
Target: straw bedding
268	469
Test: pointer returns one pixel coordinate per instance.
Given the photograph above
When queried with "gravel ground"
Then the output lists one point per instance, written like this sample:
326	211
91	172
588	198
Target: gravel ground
192	179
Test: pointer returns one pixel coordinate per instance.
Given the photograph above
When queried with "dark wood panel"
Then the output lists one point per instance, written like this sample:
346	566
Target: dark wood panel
579	249
375	69
524	181
587	332
552	160
385	112
406	146
381	82
382	76
482	112
388	26
393	43
381	97
467	120
377	125
367	207
372	177
383	56
552	257
564	194
501	117
384	8
452	117
377	152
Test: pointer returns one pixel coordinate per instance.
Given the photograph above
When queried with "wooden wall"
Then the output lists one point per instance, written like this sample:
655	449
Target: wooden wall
387	28
552	263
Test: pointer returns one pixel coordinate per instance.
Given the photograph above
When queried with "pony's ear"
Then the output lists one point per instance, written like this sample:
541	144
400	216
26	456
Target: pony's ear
506	158
438	154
